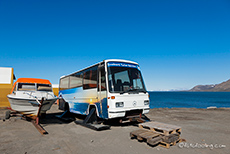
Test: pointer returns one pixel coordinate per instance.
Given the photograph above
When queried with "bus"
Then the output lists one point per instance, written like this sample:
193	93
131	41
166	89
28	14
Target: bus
113	88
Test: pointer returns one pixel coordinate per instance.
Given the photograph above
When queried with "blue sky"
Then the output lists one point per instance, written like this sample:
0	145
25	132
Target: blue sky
178	44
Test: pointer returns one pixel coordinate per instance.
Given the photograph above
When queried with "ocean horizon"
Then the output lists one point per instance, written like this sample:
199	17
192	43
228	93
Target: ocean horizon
187	99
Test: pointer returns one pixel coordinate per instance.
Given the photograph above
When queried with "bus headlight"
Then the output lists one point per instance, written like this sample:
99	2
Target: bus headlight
146	102
119	104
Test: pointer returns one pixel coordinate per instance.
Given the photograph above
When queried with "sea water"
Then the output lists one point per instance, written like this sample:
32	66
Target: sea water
189	99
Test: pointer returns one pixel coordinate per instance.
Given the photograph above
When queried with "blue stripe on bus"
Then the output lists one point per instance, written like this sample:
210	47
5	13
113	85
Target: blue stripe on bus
79	108
104	113
82	107
69	91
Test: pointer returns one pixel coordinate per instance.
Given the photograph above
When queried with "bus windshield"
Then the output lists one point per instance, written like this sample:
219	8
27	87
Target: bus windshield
125	78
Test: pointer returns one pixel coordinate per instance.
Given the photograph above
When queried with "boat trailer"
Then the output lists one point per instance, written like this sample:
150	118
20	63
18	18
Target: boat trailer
35	120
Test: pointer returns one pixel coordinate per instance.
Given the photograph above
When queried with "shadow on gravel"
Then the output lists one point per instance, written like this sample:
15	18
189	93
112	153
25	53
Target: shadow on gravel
116	123
51	118
56	118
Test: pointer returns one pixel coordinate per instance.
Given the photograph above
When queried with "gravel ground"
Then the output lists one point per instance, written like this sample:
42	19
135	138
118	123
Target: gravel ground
209	127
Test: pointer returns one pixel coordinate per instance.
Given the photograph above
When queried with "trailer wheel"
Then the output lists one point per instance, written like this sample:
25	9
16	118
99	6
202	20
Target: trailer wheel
7	114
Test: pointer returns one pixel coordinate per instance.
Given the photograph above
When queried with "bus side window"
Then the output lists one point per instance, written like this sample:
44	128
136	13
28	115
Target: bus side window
90	78
76	80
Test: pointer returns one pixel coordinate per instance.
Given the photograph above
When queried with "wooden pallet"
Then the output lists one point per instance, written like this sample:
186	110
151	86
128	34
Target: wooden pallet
161	128
156	133
150	137
155	138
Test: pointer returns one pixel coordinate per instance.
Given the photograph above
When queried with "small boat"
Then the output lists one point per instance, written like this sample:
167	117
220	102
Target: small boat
31	96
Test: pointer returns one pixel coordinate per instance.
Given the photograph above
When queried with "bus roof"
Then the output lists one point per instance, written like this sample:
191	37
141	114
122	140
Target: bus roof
106	61
120	60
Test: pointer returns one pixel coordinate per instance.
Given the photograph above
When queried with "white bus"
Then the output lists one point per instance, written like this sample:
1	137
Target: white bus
114	88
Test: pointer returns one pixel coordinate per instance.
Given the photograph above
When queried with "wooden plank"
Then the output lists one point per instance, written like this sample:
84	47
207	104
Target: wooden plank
162	128
137	132
154	141
158	125
149	134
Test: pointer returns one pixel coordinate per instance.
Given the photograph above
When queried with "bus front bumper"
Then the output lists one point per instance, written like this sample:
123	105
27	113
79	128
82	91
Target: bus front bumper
125	113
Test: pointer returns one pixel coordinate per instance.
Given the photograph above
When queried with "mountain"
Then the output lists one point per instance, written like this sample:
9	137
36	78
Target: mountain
224	86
